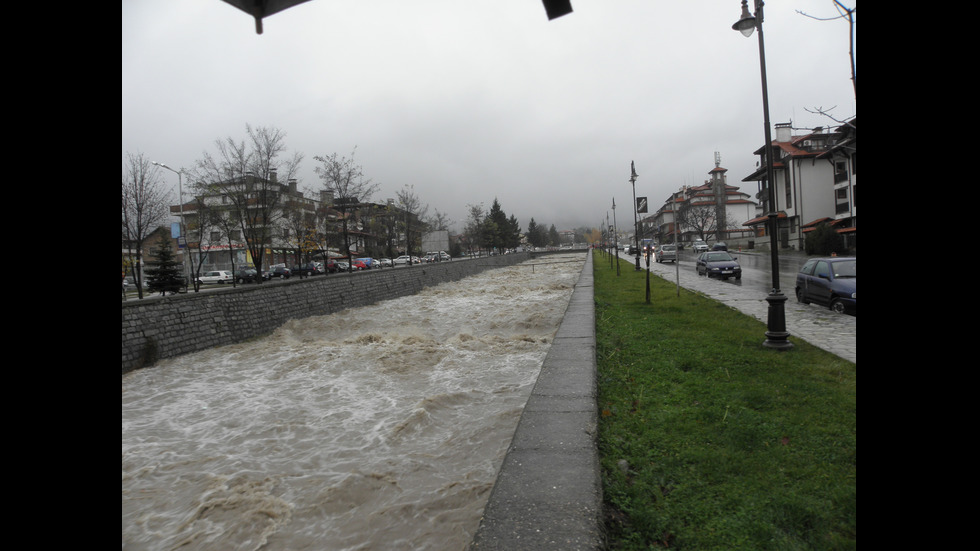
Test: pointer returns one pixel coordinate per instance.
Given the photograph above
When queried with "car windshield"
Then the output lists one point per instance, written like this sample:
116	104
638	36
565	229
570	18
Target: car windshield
845	268
718	257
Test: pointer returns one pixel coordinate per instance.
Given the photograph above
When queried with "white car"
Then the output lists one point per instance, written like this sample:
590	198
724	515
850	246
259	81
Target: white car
216	276
403	259
699	246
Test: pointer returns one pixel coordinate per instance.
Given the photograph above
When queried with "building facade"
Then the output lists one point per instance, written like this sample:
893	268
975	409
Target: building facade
815	181
713	211
290	227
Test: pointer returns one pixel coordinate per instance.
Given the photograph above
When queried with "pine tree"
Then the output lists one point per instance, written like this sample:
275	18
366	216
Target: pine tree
164	275
824	241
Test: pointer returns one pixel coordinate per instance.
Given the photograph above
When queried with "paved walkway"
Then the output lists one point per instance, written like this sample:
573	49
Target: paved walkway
548	493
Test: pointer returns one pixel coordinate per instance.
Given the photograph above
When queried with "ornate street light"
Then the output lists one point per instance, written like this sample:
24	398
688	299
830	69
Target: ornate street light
776	336
636	223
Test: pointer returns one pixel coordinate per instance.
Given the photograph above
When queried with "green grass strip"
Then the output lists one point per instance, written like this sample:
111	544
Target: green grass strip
709	440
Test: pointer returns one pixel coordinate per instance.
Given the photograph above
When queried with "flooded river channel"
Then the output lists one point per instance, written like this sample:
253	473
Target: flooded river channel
379	427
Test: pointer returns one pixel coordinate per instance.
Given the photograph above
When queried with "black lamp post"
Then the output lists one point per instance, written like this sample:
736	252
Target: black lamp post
776	336
636	223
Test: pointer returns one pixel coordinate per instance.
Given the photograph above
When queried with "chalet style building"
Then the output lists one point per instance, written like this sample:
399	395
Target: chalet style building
815	182
713	211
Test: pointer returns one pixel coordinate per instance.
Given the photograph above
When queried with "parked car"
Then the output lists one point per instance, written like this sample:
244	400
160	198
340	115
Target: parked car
342	266
719	246
280	271
216	276
359	264
831	282
307	269
386	263
246	275
632	251
443	255
667	252
699	246
403	259
718	264
368	261
330	266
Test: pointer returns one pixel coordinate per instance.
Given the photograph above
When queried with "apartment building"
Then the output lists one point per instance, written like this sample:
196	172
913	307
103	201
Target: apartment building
815	181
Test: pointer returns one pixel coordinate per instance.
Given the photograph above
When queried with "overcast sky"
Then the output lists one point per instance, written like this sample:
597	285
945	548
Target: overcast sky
474	100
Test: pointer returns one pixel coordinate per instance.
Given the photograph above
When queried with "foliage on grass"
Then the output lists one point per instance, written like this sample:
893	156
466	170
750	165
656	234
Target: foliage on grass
709	440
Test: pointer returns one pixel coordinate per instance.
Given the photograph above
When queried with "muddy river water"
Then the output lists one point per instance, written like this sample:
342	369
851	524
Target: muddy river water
379	427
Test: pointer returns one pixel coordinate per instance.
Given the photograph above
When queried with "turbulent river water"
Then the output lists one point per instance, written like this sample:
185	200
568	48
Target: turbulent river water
380	427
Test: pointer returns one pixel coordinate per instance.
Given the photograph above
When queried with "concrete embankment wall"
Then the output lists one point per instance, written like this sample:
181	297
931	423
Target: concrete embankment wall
163	327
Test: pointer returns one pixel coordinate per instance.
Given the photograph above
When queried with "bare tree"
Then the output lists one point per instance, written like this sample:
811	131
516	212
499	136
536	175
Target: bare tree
145	207
474	226
247	175
701	218
843	12
414	212
208	230
301	225
439	221
345	181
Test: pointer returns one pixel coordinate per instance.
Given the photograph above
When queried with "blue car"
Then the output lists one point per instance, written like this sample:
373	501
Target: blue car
831	282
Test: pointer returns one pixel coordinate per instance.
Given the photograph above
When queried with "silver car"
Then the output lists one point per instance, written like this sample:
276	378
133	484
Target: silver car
667	252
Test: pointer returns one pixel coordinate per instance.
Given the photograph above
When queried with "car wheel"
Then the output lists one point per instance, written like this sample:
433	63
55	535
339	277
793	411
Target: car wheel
837	306
800	297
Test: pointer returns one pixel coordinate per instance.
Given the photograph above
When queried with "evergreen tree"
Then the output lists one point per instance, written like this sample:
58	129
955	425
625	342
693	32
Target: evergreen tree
824	241
553	237
513	232
164	275
532	233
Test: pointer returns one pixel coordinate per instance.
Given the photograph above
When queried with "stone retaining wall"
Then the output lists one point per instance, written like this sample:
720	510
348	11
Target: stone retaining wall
163	327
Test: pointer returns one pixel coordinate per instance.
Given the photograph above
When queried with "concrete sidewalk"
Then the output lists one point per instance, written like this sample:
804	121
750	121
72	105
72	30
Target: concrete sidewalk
548	493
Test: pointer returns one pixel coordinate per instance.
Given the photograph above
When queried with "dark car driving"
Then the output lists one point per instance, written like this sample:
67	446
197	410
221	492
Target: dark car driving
718	264
246	275
304	270
280	271
831	282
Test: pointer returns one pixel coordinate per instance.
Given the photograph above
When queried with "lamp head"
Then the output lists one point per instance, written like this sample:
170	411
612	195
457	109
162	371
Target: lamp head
746	23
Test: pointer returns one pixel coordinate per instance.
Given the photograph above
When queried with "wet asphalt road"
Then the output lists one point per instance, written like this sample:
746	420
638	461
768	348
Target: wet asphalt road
835	333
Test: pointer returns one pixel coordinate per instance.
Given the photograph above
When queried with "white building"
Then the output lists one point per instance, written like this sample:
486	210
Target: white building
814	182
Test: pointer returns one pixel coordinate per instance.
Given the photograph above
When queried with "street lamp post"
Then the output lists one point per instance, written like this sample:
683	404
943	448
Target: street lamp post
615	237
180	192
776	336
636	223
